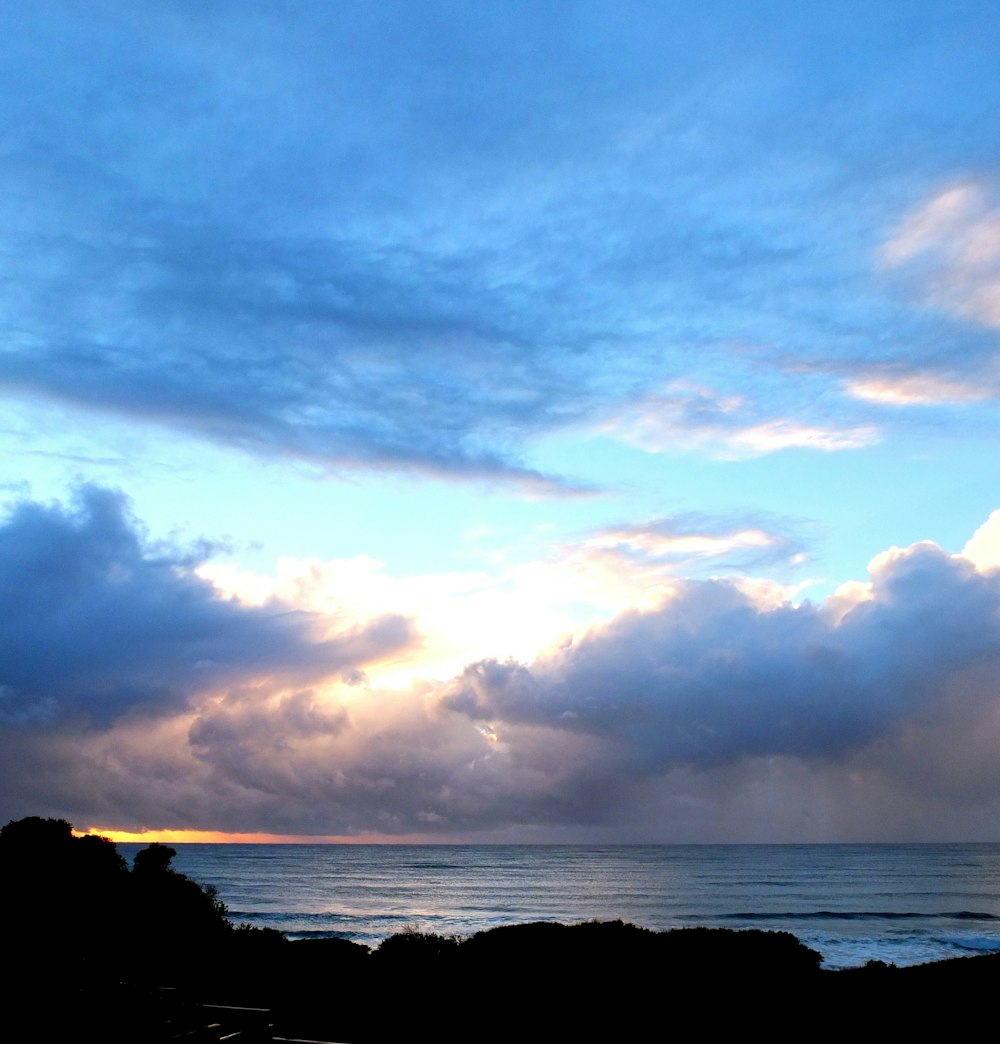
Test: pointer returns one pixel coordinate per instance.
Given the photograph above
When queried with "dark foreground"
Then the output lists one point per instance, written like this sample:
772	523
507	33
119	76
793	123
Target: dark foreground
98	951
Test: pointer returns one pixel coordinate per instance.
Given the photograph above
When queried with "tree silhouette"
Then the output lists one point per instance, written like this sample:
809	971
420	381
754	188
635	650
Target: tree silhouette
74	912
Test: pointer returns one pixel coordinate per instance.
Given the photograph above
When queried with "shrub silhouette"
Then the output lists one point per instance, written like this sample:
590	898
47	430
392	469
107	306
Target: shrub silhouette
178	925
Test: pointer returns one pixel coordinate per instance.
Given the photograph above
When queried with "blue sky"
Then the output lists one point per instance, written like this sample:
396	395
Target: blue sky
511	420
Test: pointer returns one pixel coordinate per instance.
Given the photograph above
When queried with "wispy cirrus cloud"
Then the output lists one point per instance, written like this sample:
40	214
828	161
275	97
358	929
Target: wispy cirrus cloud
915	389
224	242
949	246
685	544
685	418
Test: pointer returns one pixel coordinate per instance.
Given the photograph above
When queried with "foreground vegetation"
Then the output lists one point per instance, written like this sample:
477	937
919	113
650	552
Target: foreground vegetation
101	951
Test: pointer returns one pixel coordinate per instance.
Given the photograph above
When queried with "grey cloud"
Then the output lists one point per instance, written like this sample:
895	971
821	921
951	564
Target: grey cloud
711	679
94	623
393	763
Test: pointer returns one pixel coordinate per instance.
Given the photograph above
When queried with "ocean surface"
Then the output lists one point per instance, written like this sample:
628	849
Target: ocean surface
903	904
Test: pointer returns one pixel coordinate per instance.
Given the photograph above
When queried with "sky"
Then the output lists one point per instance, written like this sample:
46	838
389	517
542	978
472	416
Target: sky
509	421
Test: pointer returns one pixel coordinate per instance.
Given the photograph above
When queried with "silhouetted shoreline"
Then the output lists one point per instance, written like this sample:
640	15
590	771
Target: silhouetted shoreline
542	981
101	951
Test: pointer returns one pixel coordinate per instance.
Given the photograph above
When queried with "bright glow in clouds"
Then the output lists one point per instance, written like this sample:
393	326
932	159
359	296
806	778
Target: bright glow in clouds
424	425
459	616
513	612
984	547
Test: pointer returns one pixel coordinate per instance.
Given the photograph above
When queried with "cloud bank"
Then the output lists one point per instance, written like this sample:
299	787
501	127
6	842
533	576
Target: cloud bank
133	694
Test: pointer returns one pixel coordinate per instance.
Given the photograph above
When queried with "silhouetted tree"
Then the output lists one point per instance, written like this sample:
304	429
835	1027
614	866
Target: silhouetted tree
153	859
74	913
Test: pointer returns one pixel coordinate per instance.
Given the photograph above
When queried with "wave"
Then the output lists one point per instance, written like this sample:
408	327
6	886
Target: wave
852	915
326	917
431	866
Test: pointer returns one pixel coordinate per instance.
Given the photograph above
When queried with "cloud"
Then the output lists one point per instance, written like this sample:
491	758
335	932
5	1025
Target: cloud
424	239
687	545
983	548
949	246
711	681
96	624
687	417
299	244
696	705
915	389
718	713
774	435
517	606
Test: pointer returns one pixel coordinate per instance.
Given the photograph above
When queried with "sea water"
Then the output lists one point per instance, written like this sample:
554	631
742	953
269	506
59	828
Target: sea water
903	904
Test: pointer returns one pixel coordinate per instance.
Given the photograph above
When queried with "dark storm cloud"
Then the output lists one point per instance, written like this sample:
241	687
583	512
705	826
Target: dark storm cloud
94	624
399	237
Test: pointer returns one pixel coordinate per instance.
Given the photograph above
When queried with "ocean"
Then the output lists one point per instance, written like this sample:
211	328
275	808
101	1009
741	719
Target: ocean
902	904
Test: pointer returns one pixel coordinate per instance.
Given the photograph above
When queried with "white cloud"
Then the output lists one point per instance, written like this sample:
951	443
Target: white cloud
515	611
983	548
661	545
915	389
686	417
950	246
521	606
771	436
932	226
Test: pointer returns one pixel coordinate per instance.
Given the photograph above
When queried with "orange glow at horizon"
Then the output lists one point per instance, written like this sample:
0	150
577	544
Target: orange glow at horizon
218	837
